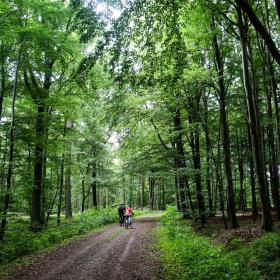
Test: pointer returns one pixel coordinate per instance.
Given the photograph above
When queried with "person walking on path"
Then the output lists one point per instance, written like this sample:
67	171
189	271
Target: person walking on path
121	211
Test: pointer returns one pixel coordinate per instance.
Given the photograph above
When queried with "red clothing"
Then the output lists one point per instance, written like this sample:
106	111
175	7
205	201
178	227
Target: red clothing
128	211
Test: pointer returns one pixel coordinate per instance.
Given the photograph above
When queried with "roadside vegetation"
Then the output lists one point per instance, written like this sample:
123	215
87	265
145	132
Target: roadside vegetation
188	255
21	241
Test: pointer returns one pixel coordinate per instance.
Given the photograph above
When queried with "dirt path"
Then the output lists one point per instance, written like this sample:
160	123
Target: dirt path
113	253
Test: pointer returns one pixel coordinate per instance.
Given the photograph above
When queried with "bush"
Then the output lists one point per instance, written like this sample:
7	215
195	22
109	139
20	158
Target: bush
19	241
186	255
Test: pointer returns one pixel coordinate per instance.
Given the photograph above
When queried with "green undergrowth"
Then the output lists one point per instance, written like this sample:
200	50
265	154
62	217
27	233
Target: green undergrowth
19	241
148	213
186	255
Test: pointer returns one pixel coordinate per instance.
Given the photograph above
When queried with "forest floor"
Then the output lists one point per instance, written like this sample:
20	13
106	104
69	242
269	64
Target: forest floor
112	253
247	231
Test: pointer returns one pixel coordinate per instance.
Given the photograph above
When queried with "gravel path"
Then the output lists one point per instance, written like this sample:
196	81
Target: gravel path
113	253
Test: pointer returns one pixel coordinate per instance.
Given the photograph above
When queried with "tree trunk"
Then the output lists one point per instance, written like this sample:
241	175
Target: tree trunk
152	193
220	185
39	96
277	5
241	176
142	193
158	194
273	165
255	129
36	222
11	153
68	187
60	190
3	162
195	145
163	195
83	196
44	190
275	98
176	186
130	190
180	163
252	179
225	132
208	151
3	77
94	185
260	28
55	197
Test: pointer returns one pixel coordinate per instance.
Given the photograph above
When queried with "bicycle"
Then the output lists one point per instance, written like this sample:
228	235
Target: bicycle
128	222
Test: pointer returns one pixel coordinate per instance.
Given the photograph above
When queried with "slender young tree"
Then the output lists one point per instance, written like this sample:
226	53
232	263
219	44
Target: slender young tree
225	130
11	147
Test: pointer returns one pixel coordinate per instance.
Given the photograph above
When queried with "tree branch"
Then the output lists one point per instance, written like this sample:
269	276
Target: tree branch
245	6
159	136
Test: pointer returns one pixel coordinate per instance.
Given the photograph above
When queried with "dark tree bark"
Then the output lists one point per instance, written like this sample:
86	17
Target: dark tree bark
142	192
260	28
220	189
177	197
255	129
152	193
36	221
274	89
49	212
208	152
68	187
252	179
163	196
158	194
3	76
60	190
11	152
180	165
39	96
195	146
94	185
273	165
130	198
251	157
225	131
4	147
83	196
242	200
220	184
44	194
277	5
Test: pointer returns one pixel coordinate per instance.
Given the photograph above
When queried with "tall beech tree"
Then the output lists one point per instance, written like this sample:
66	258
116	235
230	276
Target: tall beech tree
255	128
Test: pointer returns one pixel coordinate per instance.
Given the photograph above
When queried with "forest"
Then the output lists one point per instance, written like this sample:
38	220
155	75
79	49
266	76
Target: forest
171	106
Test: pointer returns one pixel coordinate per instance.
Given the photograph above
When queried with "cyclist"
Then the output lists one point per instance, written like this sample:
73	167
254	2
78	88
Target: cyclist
128	215
121	211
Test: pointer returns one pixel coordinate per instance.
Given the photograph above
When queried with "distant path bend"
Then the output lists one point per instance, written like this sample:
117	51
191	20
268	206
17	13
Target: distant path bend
111	254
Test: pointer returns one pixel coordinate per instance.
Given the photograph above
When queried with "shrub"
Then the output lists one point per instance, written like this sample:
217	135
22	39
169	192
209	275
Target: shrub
186	255
19	241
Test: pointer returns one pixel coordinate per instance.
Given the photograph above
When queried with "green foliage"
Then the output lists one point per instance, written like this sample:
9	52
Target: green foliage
189	256
234	244
264	255
20	241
